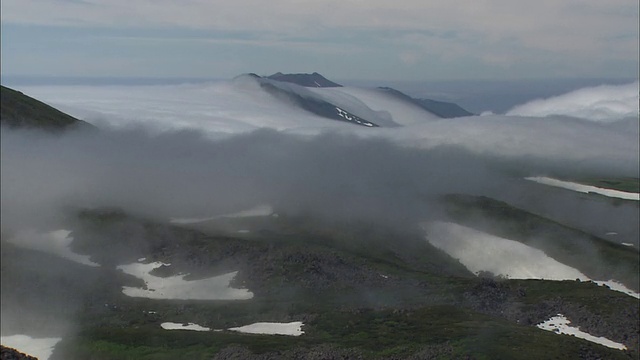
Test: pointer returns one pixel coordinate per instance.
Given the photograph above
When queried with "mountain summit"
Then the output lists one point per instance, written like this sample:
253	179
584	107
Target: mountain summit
308	80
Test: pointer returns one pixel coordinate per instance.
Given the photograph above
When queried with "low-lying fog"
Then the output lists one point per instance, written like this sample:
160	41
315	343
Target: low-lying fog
185	151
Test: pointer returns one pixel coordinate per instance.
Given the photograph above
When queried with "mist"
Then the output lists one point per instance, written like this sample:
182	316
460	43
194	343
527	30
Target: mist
185	174
197	150
188	174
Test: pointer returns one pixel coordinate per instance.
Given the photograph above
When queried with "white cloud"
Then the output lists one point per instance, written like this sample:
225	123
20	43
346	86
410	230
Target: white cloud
600	103
549	25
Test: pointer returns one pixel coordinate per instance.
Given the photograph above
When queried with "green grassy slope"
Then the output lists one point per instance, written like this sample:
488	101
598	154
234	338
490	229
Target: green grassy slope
20	110
330	276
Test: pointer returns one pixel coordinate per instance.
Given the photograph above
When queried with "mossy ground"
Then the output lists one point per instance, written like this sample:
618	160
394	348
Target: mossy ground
424	301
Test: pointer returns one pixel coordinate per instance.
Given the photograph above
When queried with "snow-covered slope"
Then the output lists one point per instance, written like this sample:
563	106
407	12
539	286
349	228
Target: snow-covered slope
479	252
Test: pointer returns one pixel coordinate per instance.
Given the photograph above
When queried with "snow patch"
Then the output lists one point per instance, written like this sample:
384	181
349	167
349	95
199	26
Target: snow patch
560	325
176	288
56	242
42	348
616	286
189	326
627	244
479	251
272	328
585	188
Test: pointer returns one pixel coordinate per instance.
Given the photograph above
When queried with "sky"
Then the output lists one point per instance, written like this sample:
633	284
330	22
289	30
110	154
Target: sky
342	39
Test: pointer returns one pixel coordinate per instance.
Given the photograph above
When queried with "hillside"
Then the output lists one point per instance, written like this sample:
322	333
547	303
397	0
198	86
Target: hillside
20	110
440	108
359	290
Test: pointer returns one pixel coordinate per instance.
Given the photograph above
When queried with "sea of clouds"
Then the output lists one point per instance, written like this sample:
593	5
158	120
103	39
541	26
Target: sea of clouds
198	150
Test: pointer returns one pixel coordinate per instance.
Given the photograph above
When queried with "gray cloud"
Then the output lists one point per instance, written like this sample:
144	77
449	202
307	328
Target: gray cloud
601	103
198	154
185	174
502	39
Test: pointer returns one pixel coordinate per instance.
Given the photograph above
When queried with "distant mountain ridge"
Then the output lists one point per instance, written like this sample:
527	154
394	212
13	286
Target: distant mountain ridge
307	80
441	108
307	100
315	80
18	110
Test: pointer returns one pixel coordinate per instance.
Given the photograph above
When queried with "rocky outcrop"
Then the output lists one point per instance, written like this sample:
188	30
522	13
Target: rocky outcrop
307	80
7	353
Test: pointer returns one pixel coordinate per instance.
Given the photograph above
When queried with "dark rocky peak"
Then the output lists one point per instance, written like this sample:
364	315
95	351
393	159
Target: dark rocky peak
7	353
307	80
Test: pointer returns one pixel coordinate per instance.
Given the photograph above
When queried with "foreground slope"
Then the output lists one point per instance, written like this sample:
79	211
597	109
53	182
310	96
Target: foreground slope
360	291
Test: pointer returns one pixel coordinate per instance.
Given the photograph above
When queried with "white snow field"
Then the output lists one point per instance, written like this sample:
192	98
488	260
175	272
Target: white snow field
42	348
272	328
259	210
176	288
479	251
585	188
560	325
262	328
53	242
189	326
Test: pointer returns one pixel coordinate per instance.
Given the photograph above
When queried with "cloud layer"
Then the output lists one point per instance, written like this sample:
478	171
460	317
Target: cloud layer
346	39
198	151
600	103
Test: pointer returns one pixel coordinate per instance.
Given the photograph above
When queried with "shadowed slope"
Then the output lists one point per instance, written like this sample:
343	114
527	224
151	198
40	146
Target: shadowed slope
20	110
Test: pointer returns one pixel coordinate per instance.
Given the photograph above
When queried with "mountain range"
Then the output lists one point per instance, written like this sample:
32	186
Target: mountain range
277	281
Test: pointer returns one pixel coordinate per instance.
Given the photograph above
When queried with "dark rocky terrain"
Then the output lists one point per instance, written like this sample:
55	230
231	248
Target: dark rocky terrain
308	80
7	353
361	291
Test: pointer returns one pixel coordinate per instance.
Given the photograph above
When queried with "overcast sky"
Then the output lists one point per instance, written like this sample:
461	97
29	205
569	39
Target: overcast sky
343	39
